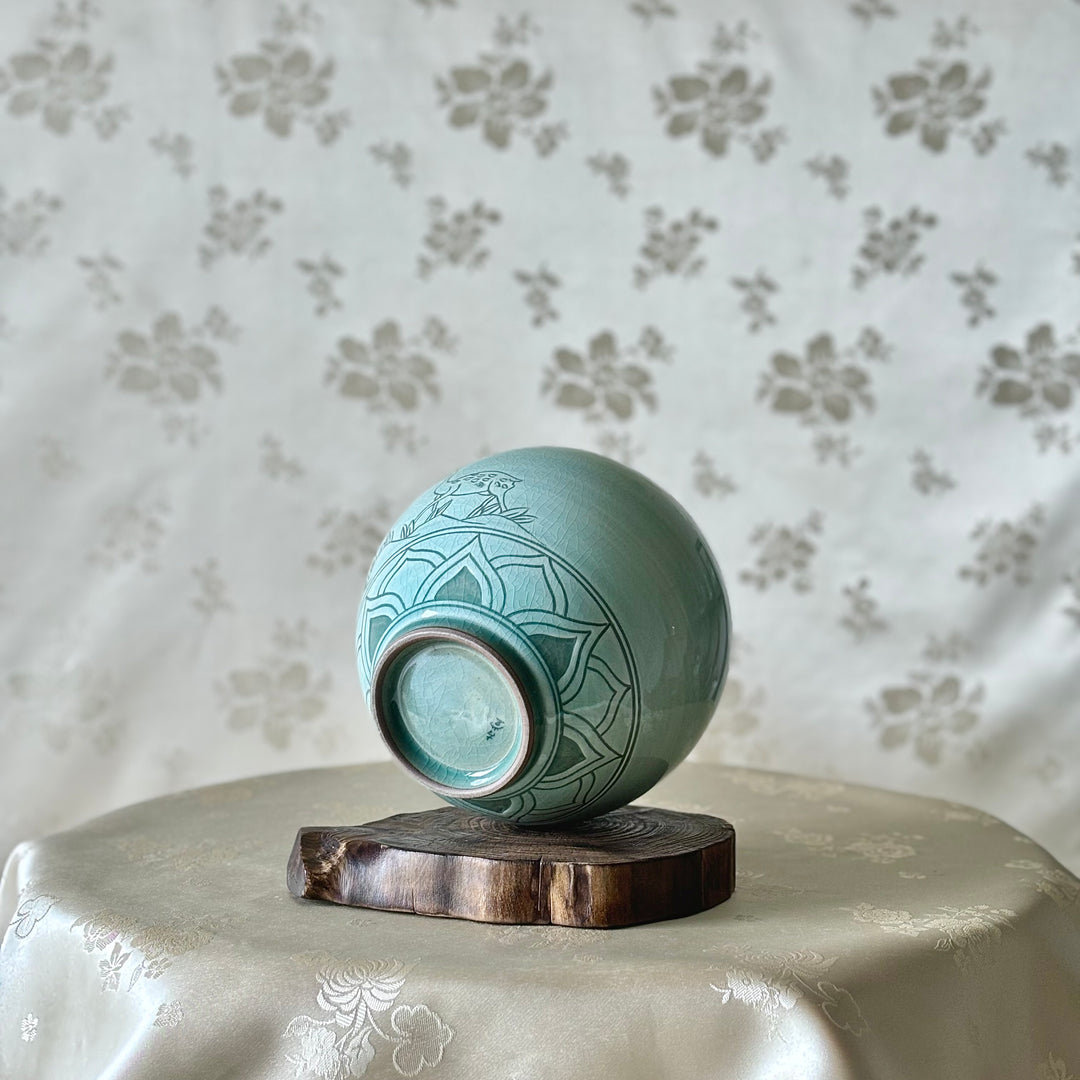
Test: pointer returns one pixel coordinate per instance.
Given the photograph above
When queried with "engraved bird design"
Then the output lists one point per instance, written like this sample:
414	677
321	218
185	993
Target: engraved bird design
485	491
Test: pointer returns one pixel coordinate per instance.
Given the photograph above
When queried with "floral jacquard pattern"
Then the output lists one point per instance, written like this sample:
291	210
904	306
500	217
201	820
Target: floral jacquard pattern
971	934
1040	381
940	98
392	374
360	1008
501	93
236	226
930	710
891	246
284	82
785	553
773	984
63	82
455	238
172	367
722	102
672	247
281	694
606	381
825	388
23	222
1005	548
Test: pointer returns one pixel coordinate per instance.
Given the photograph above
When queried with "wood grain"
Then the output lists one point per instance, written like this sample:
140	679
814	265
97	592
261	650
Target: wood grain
635	865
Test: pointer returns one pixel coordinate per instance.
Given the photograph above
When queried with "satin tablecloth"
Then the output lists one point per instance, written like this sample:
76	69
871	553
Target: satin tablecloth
871	935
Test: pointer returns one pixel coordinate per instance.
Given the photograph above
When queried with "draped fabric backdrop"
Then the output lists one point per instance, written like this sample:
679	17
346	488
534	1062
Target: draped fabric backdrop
266	271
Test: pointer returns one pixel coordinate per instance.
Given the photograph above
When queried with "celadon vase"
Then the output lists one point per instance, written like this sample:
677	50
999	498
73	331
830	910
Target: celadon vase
543	635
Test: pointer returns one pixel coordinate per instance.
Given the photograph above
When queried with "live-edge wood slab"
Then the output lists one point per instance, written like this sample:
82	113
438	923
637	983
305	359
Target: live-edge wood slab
635	865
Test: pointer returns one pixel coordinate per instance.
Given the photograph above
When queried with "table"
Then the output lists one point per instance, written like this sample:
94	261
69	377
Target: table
871	935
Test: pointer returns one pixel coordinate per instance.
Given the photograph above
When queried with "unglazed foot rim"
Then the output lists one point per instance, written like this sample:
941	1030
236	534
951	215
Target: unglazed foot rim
427	635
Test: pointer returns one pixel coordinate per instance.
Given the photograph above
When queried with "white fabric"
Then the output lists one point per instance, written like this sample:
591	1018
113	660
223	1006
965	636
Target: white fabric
266	272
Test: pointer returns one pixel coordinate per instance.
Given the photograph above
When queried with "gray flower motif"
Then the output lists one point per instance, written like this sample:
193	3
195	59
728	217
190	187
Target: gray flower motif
819	387
274	698
284	84
166	366
926	711
1039	380
937	99
604	380
720	103
62	84
390	373
499	94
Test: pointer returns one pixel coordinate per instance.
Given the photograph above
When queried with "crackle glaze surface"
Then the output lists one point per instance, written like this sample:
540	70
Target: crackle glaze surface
597	583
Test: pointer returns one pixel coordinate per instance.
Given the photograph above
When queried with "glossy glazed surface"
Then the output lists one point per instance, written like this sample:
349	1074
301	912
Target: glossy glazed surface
593	587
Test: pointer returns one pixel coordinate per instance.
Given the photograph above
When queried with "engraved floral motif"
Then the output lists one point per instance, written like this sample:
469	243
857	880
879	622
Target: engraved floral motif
722	102
785	553
360	1002
63	81
171	367
23	222
825	388
398	158
605	381
1041	381
501	93
930	709
891	247
617	170
455	238
280	693
321	275
284	82
1005	548
538	289
940	97
834	170
672	247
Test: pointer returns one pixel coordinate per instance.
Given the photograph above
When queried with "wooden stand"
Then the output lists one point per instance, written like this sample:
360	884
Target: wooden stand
635	865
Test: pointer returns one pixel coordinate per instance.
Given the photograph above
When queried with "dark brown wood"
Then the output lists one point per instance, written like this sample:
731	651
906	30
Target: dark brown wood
635	865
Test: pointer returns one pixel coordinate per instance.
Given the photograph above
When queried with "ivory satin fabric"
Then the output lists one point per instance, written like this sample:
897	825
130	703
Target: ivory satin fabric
871	936
269	270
